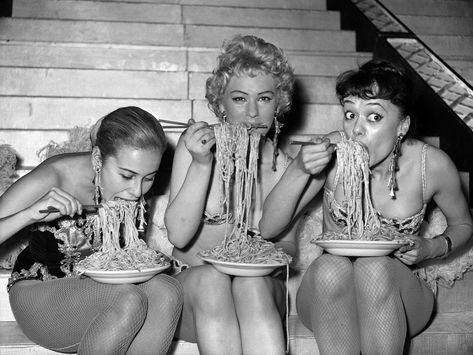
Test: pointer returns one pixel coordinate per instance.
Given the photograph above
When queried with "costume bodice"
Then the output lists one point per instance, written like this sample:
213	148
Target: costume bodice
57	246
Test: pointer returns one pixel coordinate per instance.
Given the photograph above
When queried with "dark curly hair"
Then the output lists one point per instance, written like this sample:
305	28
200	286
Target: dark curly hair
377	79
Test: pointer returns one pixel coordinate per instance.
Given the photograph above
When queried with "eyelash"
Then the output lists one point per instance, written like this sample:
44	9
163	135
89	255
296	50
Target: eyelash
371	114
131	177
262	98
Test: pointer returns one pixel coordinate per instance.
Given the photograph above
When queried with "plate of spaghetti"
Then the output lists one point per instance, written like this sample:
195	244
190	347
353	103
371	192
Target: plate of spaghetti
363	234
122	256
360	247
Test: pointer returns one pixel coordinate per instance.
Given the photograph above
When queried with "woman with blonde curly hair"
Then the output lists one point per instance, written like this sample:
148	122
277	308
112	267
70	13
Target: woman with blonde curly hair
252	84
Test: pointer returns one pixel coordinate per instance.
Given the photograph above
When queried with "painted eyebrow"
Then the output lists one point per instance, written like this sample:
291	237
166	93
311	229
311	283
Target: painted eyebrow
245	93
345	101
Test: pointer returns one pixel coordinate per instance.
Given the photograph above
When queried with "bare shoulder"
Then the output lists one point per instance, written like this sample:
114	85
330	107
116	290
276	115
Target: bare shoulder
438	160
66	167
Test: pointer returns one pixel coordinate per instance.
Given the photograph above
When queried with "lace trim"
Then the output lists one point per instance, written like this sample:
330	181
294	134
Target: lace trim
72	238
37	271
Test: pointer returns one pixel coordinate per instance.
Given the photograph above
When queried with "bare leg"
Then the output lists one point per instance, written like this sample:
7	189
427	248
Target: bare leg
326	304
208	315
260	304
165	299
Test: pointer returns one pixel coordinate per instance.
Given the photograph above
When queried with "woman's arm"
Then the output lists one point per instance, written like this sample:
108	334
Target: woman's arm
443	181
449	197
21	203
190	179
302	180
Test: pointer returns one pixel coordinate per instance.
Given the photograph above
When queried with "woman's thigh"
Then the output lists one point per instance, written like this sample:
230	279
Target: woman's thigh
256	294
204	289
417	297
56	313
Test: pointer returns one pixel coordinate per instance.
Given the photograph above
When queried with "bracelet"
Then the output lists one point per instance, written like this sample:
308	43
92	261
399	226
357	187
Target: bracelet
448	244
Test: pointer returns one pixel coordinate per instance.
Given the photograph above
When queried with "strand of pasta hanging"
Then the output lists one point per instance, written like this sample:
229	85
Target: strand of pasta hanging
361	220
117	219
237	169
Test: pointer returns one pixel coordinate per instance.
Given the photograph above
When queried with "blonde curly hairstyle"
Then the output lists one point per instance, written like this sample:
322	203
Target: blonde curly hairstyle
250	55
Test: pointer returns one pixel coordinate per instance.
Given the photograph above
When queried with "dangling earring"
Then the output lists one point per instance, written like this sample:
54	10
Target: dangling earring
97	187
394	167
277	129
224	117
141	214
97	166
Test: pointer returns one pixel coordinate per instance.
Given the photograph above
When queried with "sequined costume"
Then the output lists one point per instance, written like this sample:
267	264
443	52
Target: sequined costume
52	252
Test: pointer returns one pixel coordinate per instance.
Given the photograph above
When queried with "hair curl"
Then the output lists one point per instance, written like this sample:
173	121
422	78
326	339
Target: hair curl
250	55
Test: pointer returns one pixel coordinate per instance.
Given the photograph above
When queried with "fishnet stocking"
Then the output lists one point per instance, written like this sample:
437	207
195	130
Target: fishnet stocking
79	315
326	304
164	308
382	317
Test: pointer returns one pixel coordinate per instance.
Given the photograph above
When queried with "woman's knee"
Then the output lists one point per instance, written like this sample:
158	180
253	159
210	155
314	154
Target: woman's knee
261	294
166	288
375	276
207	289
129	303
329	273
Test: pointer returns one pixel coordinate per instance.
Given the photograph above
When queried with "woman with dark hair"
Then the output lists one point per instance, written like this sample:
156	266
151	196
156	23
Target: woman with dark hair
54	306
252	84
368	304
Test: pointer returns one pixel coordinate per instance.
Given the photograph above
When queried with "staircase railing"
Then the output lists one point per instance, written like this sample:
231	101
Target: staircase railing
444	100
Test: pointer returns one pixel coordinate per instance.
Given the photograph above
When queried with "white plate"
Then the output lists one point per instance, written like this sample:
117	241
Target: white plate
125	276
241	269
360	247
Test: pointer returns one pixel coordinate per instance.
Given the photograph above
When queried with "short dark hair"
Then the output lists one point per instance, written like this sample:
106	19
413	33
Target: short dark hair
378	79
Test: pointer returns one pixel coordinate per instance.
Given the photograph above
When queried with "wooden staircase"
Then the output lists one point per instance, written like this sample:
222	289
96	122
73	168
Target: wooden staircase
65	63
446	26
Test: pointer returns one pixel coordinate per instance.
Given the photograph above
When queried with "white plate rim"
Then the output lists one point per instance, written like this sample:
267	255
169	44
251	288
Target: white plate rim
241	265
360	244
124	273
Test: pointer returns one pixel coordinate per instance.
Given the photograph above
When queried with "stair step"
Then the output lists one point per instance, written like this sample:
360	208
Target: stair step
282	4
97	11
63	113
450	45
91	32
271	18
430	7
438	25
133	57
67	31
92	56
93	83
303	40
433	341
167	13
464	67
